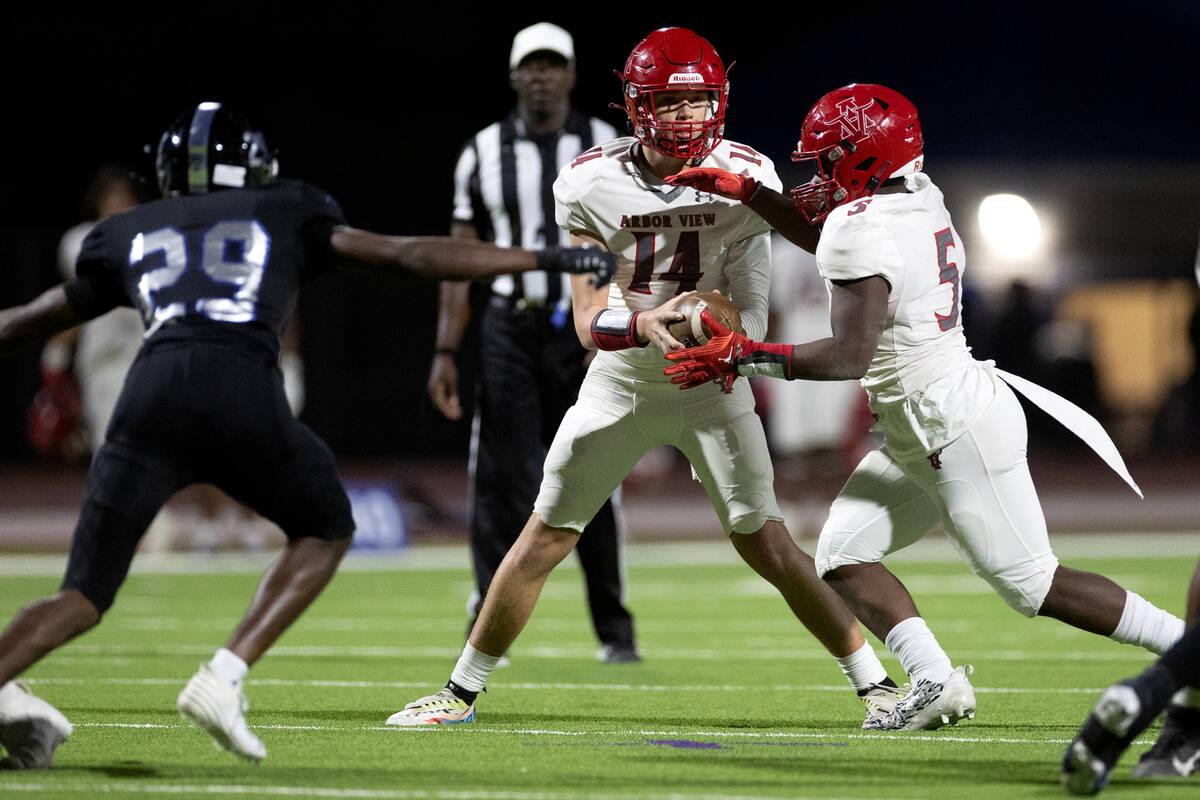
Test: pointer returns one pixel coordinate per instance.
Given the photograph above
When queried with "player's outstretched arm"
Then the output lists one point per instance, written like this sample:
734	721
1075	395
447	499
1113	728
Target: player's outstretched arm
47	314
775	208
858	314
441	257
454	313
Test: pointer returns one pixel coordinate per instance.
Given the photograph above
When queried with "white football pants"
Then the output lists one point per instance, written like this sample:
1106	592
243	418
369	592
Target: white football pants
619	418
980	490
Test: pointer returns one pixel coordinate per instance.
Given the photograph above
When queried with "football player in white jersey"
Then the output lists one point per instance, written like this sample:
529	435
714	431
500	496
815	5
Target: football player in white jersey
670	241
954	433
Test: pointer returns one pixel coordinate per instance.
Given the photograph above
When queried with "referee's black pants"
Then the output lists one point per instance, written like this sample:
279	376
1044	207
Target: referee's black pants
531	367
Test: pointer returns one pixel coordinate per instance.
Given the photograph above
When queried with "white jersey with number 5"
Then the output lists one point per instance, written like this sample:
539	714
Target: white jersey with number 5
669	239
924	386
955	437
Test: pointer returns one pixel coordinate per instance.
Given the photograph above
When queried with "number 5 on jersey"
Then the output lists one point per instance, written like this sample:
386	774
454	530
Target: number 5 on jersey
944	239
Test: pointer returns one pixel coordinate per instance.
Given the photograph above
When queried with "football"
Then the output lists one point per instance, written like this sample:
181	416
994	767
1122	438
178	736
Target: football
691	331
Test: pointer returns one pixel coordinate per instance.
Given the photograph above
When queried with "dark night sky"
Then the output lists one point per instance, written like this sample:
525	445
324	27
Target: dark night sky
373	106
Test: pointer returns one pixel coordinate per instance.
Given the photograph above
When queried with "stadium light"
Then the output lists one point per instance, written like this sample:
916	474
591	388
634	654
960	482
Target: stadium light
1010	225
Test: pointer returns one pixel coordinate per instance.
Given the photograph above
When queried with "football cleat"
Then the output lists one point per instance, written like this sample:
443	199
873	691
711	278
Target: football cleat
30	728
1176	754
442	708
1105	735
618	654
930	705
880	701
219	707
1083	772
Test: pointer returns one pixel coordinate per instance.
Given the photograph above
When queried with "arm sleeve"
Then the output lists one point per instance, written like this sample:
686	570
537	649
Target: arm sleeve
749	274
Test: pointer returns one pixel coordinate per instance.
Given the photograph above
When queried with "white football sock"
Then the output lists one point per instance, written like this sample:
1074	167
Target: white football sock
229	666
1146	625
920	655
862	668
473	669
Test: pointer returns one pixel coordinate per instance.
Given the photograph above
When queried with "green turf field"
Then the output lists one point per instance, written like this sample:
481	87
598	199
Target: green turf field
733	700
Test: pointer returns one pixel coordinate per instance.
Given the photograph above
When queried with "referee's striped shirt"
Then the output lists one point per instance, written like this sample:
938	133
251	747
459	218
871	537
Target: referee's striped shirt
503	185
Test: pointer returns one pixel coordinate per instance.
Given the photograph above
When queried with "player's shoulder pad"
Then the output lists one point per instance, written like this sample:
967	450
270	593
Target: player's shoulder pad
852	240
93	244
309	196
745	160
854	217
600	156
585	169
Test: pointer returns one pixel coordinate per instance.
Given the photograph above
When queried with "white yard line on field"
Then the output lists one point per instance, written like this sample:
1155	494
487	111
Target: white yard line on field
340	793
536	687
781	736
934	548
732	653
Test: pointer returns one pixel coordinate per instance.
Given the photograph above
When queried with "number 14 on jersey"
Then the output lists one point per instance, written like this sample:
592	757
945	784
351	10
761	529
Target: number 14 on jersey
684	264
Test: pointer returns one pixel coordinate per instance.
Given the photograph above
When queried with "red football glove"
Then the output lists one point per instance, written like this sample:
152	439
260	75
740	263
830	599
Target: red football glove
721	358
716	181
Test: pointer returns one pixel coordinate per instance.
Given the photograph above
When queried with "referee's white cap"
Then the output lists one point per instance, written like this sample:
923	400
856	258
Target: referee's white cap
541	36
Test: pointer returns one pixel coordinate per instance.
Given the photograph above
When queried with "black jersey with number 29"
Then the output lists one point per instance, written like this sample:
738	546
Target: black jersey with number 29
235	256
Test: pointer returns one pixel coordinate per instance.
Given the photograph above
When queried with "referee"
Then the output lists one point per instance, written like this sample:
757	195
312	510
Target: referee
530	362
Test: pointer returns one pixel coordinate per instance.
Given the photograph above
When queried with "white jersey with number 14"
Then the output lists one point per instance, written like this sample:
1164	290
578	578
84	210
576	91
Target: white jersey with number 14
669	239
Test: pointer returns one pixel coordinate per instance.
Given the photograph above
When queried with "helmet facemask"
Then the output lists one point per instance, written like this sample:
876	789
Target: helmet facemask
840	176
675	60
684	139
822	193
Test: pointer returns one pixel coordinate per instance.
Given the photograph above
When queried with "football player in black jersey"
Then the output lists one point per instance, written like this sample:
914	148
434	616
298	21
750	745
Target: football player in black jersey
214	268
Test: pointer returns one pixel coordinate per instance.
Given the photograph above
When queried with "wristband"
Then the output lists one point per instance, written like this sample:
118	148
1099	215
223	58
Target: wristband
547	259
445	351
753	192
615	330
767	360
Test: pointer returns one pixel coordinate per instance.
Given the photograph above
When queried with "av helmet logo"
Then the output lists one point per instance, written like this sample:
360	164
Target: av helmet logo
854	124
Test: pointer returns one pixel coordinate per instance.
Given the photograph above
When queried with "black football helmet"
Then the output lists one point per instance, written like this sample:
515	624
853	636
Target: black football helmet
212	147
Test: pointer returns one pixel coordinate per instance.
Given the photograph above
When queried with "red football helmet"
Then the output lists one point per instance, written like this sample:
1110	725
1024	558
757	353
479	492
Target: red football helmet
857	137
670	60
